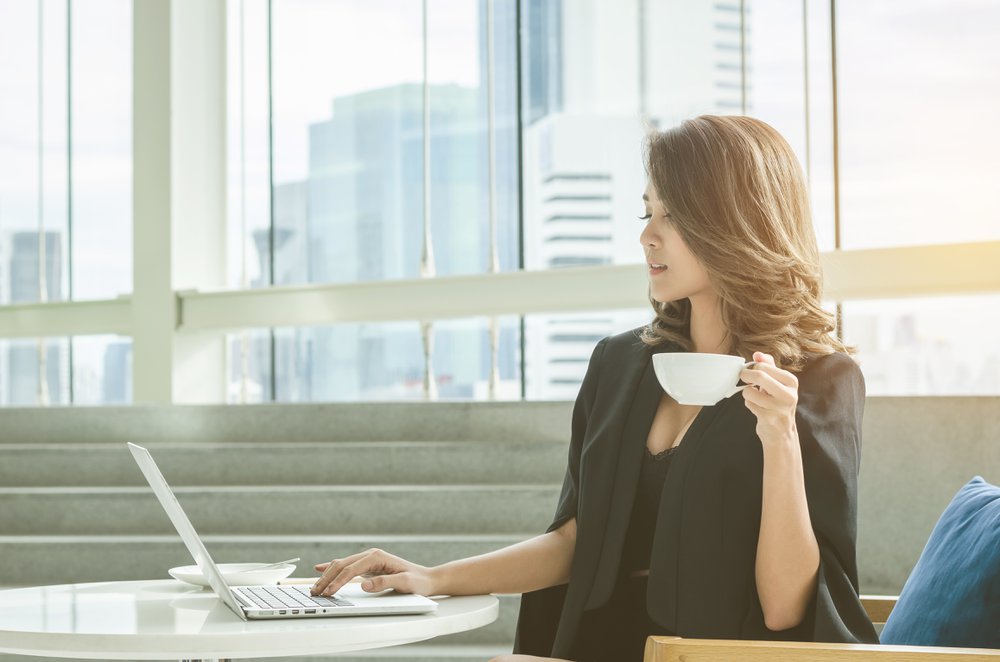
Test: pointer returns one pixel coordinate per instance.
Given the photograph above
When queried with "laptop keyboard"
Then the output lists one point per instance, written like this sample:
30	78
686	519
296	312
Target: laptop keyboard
292	596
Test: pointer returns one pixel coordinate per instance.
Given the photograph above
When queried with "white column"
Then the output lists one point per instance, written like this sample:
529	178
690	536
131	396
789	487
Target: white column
179	159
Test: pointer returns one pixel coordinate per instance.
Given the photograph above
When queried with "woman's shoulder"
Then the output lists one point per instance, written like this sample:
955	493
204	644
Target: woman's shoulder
825	370
629	345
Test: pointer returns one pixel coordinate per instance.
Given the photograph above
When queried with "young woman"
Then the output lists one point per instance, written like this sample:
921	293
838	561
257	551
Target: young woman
736	520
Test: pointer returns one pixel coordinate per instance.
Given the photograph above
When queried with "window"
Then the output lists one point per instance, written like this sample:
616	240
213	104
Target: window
65	189
915	347
370	142
919	87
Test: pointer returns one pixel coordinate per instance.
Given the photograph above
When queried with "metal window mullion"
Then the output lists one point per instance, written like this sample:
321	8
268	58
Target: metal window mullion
427	256
494	266
244	357
743	58
643	73
519	129
43	382
836	153
273	377
69	175
805	79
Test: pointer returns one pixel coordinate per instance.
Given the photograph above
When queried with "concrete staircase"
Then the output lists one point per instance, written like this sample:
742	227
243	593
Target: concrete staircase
430	482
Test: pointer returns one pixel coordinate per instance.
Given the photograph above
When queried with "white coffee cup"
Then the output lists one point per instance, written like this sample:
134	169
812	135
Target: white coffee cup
694	378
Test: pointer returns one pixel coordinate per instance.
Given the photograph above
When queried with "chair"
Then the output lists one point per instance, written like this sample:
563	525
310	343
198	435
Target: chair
676	649
950	597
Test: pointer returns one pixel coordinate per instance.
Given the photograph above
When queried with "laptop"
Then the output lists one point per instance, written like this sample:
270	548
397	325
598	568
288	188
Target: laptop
271	601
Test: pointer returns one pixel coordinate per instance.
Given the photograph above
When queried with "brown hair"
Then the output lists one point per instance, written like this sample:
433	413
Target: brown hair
737	197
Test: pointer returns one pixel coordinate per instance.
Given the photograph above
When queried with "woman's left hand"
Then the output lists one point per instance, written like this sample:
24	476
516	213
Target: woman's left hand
771	396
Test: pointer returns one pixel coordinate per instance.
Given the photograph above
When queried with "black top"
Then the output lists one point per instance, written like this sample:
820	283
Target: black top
702	567
642	524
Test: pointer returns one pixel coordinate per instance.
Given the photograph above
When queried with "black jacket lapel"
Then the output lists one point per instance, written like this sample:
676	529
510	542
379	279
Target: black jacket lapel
622	493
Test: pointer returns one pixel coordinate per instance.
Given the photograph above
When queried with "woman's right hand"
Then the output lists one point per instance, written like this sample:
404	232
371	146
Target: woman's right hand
382	571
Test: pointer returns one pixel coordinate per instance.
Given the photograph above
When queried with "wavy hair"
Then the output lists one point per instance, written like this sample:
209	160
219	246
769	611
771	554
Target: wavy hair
738	199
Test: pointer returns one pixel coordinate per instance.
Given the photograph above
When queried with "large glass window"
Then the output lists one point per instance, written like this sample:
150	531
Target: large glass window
101	148
359	149
65	185
919	88
335	189
927	345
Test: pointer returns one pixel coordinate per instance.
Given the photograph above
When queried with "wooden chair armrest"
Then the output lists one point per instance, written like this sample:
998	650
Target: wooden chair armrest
879	606
677	649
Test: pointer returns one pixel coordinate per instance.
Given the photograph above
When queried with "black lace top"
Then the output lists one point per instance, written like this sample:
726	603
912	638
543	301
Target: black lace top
642	524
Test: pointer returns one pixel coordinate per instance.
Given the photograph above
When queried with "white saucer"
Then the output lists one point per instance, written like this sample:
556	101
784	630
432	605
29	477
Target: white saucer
191	574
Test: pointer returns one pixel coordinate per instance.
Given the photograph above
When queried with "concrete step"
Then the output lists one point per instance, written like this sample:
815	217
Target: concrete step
485	422
286	463
369	510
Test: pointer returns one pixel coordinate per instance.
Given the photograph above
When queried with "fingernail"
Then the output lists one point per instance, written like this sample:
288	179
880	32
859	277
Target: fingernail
367	586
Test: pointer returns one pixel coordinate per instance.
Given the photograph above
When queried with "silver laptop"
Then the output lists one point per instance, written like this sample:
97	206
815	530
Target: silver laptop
272	601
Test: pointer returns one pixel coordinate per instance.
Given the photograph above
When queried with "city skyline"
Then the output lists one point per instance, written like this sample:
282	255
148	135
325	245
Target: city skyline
590	75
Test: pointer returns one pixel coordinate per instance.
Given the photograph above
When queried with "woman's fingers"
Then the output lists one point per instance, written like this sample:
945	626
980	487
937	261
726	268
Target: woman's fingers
767	366
348	573
762	400
374	562
332	568
768	382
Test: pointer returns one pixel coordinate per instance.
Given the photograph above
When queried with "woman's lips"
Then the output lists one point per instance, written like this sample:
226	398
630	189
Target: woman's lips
656	269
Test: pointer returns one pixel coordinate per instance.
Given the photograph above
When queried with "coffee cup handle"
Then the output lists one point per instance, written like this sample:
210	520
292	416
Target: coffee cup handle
737	389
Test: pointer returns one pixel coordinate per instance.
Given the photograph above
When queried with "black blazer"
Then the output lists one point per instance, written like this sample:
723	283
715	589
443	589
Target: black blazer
702	577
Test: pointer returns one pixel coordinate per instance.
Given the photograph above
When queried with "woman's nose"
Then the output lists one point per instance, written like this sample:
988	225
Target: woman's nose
647	237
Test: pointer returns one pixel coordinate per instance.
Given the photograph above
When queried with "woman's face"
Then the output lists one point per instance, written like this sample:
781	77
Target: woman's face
674	272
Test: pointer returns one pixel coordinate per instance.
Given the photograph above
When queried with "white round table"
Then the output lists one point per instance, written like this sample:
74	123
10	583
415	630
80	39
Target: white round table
165	619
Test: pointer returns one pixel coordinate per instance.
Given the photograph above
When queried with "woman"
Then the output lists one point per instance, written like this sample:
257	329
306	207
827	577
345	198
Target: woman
736	520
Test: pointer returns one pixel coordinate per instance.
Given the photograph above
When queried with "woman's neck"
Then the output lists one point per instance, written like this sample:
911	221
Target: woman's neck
708	332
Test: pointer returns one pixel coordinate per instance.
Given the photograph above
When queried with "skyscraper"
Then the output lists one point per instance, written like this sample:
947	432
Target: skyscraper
23	276
619	65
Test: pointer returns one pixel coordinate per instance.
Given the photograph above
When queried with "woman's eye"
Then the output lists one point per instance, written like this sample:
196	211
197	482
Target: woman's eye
646	217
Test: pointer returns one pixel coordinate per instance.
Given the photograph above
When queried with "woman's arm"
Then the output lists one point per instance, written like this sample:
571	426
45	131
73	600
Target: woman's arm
787	552
537	563
534	564
787	563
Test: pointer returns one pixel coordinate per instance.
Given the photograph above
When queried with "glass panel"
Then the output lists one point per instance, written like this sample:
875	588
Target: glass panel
249	355
919	88
352	362
33	167
818	158
582	95
102	370
592	74
348	149
558	348
102	147
248	145
24	361
776	93
914	346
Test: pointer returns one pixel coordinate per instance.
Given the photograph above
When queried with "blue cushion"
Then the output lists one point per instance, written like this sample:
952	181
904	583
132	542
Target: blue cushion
952	597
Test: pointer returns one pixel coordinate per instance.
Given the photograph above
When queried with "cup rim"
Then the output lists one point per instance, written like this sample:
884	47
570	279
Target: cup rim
729	356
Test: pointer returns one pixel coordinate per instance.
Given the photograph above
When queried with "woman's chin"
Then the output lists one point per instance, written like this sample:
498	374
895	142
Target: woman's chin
663	297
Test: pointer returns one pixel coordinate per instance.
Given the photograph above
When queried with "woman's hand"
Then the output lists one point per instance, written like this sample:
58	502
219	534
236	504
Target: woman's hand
381	570
771	397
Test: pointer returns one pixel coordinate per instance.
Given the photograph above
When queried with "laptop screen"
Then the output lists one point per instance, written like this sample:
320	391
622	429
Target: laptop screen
183	526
